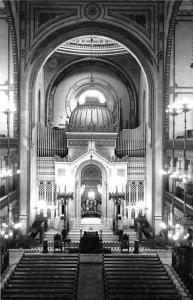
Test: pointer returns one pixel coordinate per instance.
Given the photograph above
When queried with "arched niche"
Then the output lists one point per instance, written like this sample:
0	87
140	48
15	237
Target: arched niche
99	172
91	187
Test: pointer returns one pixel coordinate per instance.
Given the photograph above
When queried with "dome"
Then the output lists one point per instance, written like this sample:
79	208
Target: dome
90	116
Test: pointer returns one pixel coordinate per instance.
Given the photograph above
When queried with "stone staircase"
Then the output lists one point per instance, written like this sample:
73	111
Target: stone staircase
49	235
107	234
132	235
75	234
89	224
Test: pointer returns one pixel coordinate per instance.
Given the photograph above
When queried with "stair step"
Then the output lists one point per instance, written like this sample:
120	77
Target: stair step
74	234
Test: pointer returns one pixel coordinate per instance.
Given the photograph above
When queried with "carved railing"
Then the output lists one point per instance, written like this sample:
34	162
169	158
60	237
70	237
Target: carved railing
131	142
51	141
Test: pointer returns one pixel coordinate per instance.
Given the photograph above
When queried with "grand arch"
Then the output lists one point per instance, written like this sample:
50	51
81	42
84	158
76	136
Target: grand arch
147	61
77	85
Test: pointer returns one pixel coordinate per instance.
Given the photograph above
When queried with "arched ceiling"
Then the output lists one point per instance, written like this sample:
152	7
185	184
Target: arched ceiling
87	53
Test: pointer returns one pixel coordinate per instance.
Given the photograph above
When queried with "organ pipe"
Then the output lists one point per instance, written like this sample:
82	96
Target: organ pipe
50	141
131	142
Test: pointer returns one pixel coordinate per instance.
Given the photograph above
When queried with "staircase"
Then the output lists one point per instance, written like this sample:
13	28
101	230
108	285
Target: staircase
107	234
132	235
43	276
74	234
49	235
91	224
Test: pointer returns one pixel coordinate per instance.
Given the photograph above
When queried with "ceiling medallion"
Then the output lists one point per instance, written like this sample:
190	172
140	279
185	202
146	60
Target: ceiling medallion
92	11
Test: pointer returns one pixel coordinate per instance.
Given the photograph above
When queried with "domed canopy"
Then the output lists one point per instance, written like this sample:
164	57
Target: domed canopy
92	115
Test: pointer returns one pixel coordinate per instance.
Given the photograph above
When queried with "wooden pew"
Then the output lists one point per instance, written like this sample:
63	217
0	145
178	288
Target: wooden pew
44	277
136	277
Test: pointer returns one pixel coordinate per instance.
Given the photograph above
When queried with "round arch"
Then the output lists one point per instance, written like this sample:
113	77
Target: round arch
138	48
129	84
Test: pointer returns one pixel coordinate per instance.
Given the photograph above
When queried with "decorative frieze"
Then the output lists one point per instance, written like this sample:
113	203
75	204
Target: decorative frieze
77	143
93	127
185	12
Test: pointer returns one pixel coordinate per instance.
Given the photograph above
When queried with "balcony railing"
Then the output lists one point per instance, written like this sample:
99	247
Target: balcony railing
179	144
12	197
179	203
13	143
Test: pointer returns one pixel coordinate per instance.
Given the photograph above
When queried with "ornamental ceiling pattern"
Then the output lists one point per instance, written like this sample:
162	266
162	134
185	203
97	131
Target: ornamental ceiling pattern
45	20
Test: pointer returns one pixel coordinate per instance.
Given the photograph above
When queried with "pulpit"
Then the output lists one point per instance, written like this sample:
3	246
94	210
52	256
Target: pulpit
89	242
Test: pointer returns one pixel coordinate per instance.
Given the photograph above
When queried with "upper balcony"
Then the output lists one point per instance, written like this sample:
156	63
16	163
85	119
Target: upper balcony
12	143
179	147
179	202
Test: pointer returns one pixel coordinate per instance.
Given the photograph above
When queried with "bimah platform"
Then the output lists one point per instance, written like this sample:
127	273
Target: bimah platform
89	242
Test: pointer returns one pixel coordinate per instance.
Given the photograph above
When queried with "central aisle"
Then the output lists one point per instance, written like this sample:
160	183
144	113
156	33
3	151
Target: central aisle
90	285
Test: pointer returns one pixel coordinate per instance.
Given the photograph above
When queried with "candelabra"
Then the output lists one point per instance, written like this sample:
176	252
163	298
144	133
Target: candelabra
63	198
173	232
117	196
8	232
178	107
8	172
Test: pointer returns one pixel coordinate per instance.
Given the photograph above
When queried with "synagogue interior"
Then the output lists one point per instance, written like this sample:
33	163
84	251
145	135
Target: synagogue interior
96	149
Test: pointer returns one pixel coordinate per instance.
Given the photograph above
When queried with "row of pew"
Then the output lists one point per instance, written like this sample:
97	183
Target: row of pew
136	276
43	276
55	276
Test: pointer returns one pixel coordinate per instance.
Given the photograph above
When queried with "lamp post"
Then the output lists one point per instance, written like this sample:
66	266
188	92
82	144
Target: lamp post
186	106
8	111
64	197
117	197
173	110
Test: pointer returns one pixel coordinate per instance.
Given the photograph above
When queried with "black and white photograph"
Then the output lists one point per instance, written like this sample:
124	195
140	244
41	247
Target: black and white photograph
96	149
